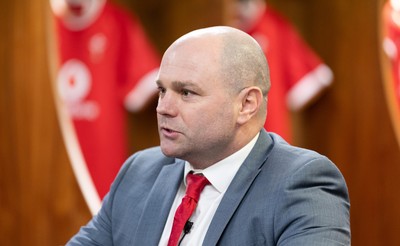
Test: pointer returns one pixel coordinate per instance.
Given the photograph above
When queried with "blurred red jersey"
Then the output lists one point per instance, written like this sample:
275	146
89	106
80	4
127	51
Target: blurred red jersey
100	65
297	73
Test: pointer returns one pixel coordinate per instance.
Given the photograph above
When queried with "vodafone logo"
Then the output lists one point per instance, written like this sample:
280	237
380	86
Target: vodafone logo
74	83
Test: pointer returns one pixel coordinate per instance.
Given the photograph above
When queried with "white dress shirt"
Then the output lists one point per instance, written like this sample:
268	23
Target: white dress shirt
220	176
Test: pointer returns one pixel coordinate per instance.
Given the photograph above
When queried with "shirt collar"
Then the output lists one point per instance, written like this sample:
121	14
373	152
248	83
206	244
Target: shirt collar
221	173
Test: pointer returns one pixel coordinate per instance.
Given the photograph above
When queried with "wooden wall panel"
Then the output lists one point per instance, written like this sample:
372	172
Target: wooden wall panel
165	21
350	123
40	203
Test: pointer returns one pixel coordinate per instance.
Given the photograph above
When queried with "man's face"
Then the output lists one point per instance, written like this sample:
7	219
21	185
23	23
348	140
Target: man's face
196	114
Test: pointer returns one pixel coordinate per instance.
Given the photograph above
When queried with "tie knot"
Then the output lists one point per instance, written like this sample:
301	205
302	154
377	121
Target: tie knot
195	185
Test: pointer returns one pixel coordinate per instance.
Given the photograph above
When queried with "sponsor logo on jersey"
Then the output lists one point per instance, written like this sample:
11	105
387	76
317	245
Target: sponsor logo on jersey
74	83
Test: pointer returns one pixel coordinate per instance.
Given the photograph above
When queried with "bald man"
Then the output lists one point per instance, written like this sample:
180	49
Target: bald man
213	92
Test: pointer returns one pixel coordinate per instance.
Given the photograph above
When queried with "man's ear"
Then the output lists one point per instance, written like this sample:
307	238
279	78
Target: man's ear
251	100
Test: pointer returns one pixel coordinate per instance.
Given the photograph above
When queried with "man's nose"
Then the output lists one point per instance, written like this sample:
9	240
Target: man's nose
167	104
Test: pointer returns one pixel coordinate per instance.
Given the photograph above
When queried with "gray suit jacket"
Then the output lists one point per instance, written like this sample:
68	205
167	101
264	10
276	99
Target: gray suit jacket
281	195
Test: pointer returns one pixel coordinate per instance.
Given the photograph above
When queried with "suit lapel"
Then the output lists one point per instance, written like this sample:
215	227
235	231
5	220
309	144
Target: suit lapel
159	202
238	188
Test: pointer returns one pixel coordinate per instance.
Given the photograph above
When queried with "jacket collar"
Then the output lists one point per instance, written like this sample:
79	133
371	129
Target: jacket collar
239	187
155	213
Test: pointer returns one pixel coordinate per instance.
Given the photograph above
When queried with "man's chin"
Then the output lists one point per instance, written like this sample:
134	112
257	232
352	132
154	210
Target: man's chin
168	151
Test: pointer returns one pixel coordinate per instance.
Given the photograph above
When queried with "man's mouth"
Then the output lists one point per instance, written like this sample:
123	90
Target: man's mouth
169	133
167	129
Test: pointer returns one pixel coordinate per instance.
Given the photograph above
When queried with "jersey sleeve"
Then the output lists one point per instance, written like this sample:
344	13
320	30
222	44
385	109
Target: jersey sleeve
310	76
139	64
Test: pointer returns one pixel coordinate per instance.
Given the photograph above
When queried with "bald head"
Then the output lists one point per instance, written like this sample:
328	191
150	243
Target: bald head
242	61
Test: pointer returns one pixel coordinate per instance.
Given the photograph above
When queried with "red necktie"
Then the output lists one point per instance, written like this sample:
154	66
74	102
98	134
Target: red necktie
195	184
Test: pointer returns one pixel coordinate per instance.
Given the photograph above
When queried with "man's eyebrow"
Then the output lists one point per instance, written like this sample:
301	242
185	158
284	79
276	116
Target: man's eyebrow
158	82
182	84
179	84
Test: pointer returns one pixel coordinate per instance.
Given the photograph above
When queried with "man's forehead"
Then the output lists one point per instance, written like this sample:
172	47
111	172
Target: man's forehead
192	73
191	57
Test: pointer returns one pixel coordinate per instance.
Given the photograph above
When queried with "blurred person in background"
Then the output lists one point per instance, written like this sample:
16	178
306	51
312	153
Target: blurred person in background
297	73
107	66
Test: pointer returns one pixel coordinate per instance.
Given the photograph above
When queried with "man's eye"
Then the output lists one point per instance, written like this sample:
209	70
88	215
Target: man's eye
186	92
161	90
